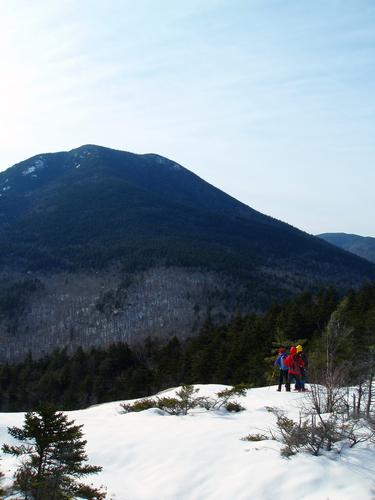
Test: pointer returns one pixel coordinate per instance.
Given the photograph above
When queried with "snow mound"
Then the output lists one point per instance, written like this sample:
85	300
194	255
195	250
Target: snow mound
150	455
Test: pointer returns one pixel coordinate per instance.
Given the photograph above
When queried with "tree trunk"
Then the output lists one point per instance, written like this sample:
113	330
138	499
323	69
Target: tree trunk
360	394
369	398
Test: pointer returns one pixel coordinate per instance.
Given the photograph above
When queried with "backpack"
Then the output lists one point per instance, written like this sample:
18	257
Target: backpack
283	356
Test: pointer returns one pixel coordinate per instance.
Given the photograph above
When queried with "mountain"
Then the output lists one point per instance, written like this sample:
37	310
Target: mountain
99	245
364	246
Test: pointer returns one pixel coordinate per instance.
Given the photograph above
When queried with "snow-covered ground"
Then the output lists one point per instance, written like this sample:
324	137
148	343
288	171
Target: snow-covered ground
200	456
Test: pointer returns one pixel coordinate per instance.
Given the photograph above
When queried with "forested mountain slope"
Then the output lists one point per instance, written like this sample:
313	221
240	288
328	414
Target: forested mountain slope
99	245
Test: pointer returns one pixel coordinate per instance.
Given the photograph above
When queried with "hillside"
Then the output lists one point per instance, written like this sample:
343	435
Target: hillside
151	455
99	246
364	246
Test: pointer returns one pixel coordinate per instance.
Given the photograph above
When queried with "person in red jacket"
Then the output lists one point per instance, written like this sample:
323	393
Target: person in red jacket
294	362
304	367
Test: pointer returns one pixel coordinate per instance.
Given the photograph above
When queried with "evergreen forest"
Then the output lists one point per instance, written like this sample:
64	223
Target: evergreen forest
241	351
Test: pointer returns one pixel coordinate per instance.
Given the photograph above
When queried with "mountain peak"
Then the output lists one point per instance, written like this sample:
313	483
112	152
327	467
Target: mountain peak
92	195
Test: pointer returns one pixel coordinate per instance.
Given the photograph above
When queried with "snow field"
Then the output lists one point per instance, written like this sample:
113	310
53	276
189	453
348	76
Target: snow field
200	456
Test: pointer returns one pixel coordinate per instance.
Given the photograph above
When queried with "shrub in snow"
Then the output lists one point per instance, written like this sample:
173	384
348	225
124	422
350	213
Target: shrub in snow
358	431
184	401
174	406
306	435
337	410
313	435
234	407
2	491
317	429
53	458
225	397
255	437
141	405
187	399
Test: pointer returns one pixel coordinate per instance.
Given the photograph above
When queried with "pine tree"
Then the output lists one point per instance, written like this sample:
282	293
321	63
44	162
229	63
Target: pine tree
53	458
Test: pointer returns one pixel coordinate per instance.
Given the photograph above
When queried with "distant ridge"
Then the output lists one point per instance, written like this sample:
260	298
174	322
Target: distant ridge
364	246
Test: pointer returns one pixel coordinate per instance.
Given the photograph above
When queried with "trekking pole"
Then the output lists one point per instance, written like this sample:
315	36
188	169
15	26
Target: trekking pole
272	377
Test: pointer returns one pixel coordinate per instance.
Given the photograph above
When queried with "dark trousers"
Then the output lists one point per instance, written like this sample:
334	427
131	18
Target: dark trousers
300	381
293	378
283	378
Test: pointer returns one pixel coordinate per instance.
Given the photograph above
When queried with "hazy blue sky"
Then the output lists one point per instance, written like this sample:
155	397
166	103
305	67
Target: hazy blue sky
273	101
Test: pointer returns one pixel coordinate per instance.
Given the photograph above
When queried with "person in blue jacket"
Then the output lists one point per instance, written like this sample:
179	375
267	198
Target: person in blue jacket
283	369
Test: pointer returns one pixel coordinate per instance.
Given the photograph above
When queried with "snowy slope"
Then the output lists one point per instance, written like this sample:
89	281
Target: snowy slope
149	455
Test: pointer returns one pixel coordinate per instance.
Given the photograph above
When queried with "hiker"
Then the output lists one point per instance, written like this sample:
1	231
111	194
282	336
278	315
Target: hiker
283	369
304	367
294	363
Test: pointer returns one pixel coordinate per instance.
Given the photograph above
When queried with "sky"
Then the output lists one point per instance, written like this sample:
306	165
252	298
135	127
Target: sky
272	101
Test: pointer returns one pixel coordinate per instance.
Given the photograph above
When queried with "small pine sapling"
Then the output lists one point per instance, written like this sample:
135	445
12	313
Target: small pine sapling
225	398
52	457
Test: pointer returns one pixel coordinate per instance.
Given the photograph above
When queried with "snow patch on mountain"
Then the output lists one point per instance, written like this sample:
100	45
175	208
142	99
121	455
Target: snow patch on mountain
164	161
149	455
37	165
84	153
29	170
